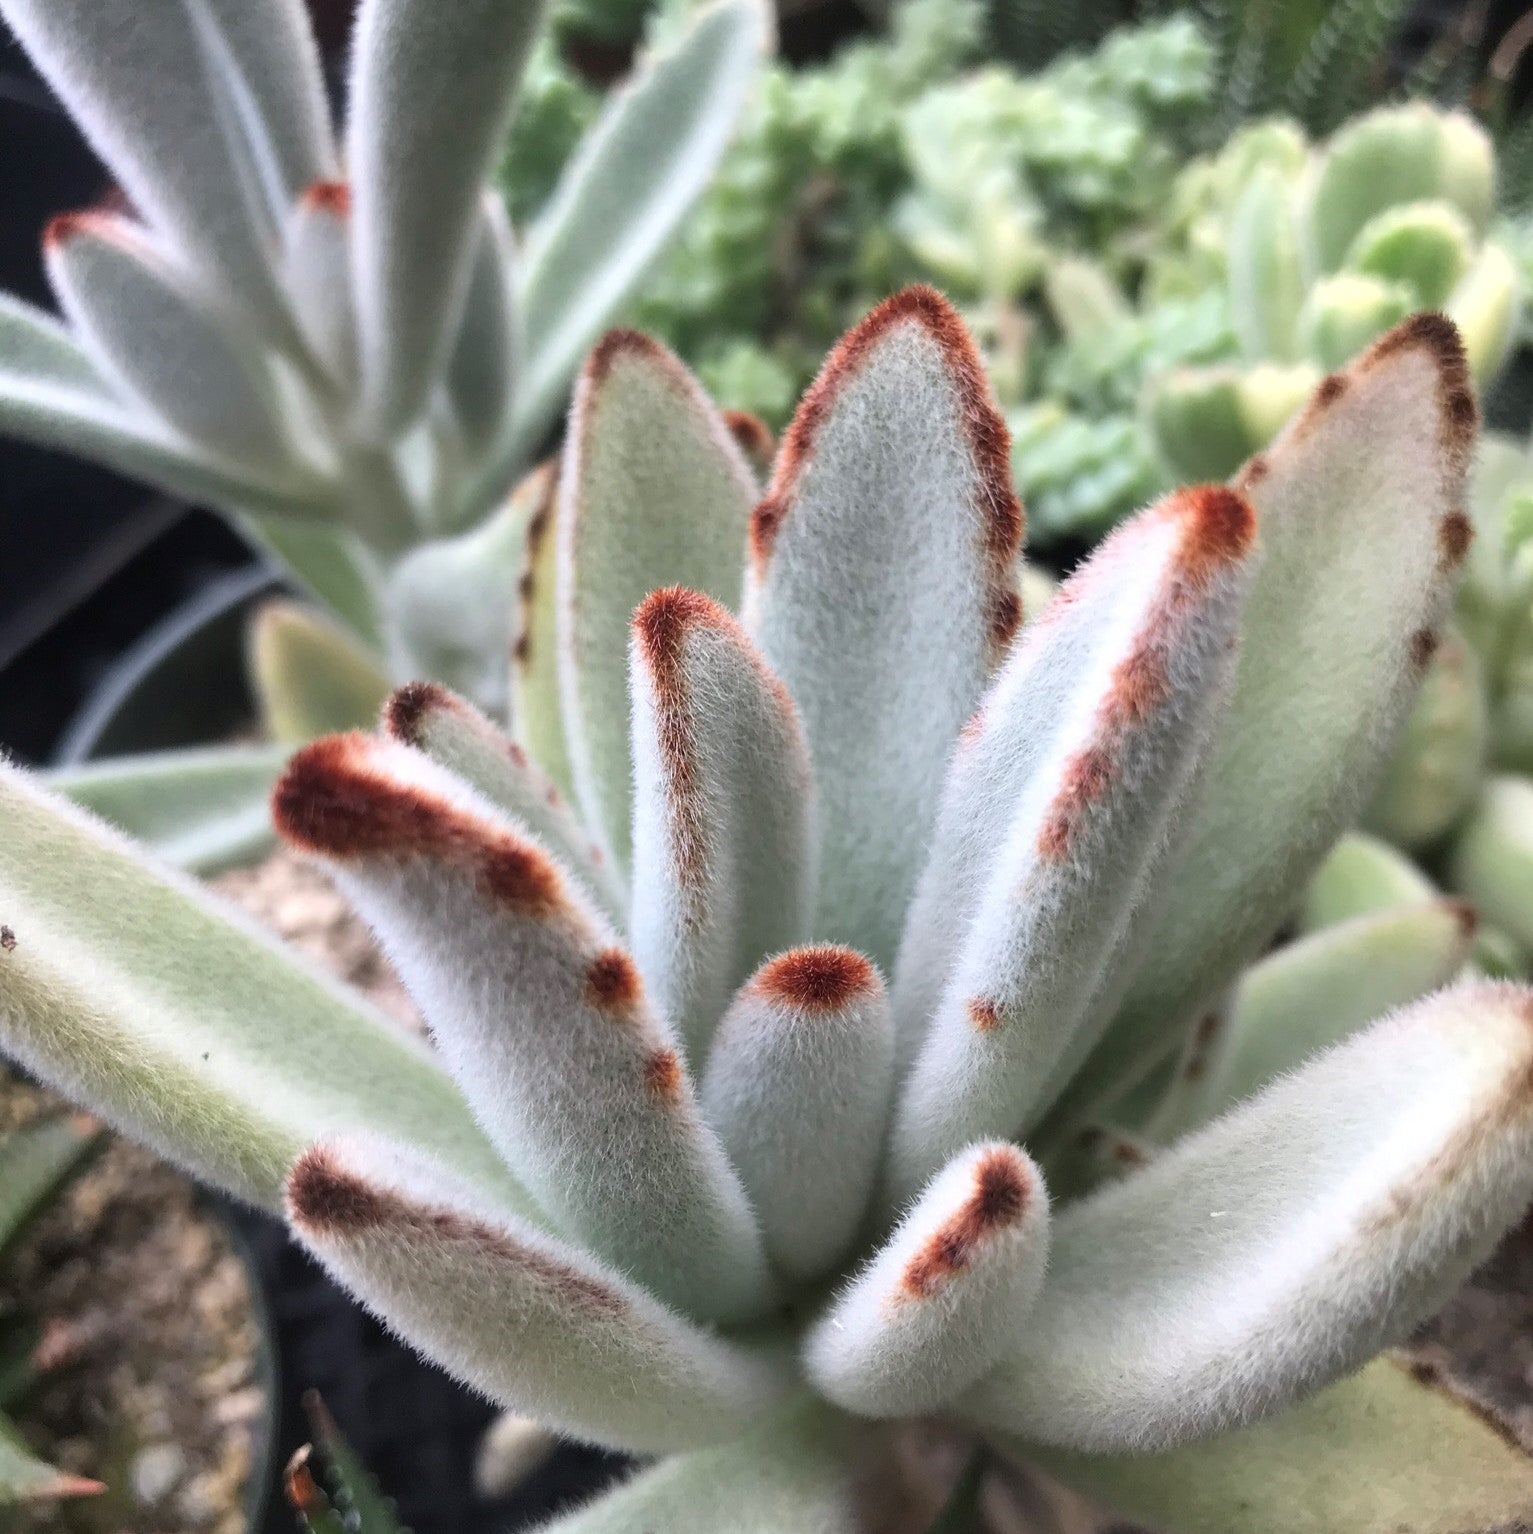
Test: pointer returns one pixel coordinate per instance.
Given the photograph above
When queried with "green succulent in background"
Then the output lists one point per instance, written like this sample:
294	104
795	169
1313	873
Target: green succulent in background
37	1162
333	336
1324	250
750	1201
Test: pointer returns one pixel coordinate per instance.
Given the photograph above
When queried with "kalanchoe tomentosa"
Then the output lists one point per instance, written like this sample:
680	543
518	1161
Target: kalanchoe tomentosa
331	336
755	1074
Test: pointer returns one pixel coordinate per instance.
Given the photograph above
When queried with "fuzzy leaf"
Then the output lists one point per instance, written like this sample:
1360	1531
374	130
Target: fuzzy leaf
811	1028
883	587
448	608
133	991
948	1293
309	675
637	173
531	1322
1359	518
52	394
723	828
538	1014
1239	1271
1047	836
1310	994
316	271
457	736
536	714
1381	1453
793	1475
184	155
654	491
201	809
202	377
485	353
431	93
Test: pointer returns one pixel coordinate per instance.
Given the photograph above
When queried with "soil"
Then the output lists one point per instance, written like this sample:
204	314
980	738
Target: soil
149	1323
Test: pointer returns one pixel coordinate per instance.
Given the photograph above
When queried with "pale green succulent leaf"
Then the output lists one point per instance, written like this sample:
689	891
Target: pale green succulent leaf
914	1329
187	364
1073	805
52	393
883	589
1361	875
432	88
135	992
723	810
172	150
449	605
1395	155
310	676
485	354
1436	769
1265	278
1491	862
202	809
537	1325
811	1028
454	734
796	1474
316	272
654	491
1359	522
1238	1272
1384	1452
637	173
1311	994
537	714
1343	312
1426	245
538	1013
1487	306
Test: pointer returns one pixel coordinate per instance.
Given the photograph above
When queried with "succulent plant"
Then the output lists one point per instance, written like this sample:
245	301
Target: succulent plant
332	338
753	1073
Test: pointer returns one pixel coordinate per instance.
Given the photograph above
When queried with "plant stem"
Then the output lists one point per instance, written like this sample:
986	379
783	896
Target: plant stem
960	1514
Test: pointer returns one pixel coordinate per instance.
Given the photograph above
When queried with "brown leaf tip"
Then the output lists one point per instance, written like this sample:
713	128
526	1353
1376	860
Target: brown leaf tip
1467	917
405	712
984	1013
334	800
64	227
663	1075
1438	336
332	197
663	619
7	940
980	420
1330	389
1002	1189
1219	529
1454	535
1424	643
617	344
753	436
326	1199
820	979
612	981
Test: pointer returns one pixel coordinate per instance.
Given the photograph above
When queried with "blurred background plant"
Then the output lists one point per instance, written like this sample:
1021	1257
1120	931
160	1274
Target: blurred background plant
37	1162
